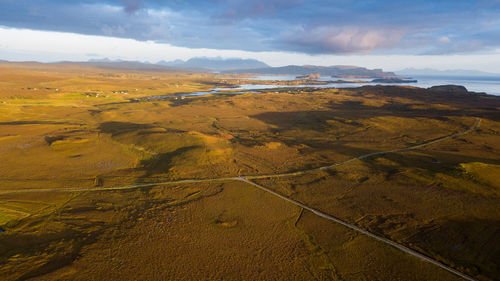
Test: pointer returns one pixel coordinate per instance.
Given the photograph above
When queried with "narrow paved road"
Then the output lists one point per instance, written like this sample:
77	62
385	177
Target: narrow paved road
353	227
247	179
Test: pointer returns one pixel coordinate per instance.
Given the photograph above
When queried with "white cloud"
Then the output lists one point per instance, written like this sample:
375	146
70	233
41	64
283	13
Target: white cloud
24	45
331	39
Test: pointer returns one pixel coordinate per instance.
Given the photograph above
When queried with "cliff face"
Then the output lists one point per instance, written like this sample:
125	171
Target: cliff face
333	71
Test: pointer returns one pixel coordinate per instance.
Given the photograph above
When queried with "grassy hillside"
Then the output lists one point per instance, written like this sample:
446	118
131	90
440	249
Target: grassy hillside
65	127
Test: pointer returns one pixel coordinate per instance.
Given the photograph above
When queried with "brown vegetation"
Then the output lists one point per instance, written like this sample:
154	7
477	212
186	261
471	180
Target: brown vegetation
85	127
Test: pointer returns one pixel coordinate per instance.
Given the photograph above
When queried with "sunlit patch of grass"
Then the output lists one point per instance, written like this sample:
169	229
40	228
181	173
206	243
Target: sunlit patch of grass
485	173
4	138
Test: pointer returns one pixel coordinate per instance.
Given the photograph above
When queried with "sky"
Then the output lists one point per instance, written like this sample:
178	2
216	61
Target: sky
376	34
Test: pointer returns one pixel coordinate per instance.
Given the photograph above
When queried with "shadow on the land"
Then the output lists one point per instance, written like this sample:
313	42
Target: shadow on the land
162	163
469	104
116	128
471	244
32	244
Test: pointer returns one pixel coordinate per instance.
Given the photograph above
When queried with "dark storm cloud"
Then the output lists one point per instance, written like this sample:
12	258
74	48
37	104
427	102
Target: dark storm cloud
314	26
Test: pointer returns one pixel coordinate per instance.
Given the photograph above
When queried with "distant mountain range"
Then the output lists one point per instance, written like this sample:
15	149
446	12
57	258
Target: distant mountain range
450	72
237	65
215	64
343	71
194	64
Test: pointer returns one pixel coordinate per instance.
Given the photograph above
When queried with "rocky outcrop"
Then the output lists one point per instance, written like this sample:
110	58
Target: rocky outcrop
450	89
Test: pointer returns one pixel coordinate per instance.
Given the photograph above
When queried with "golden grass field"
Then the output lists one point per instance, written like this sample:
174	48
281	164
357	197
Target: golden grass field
64	126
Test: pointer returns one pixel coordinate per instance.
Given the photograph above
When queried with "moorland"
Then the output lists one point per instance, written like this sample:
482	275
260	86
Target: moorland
92	171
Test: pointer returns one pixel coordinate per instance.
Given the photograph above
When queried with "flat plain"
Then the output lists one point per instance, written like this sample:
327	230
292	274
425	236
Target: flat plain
68	131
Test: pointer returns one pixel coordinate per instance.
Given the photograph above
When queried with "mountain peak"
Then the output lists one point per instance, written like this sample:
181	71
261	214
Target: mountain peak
215	63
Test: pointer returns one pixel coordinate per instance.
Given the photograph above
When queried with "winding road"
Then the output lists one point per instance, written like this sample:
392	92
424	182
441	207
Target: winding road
247	179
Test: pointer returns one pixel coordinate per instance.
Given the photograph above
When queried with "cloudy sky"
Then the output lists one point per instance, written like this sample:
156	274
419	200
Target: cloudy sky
389	34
